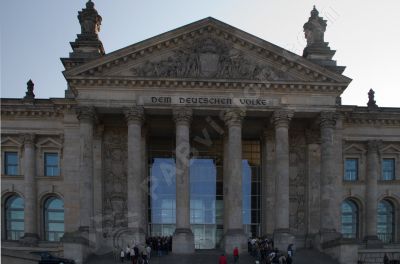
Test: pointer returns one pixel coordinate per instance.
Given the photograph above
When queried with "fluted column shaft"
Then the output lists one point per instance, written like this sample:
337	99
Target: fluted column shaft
372	188
233	192
30	185
134	118
328	186
183	239
281	121
86	116
183	118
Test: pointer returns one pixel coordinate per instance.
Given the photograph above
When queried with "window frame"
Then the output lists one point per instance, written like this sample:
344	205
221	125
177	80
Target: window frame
46	202
5	163
393	175
357	171
355	216
7	217
45	166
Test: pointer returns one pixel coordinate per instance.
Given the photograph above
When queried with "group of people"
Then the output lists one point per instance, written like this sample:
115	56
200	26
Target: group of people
160	244
135	254
263	251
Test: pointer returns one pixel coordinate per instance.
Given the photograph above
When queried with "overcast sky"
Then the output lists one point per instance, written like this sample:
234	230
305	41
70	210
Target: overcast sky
365	33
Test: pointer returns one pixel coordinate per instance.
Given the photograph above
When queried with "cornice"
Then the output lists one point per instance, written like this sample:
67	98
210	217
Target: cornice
98	82
383	118
31	112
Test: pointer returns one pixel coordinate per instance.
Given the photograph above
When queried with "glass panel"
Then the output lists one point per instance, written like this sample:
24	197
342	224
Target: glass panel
388	169
51	164
10	163
14	218
385	221
54	219
351	170
163	191
349	219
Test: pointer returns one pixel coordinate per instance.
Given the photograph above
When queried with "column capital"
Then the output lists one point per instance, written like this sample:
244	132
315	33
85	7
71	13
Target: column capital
28	139
282	117
234	117
328	119
374	146
134	114
182	115
86	114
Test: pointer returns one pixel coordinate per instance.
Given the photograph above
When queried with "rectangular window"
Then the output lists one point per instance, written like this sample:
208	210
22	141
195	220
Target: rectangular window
51	167
351	171
388	169
10	163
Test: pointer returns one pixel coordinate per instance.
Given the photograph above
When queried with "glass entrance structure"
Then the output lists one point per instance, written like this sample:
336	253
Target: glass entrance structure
206	193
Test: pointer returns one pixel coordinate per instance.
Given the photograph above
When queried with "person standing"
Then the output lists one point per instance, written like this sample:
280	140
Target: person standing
122	255
235	255
222	259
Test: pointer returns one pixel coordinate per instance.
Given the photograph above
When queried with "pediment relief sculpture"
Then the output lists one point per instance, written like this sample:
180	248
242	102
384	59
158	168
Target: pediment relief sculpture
209	58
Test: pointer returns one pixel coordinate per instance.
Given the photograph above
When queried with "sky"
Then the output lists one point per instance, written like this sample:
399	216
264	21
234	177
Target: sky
364	33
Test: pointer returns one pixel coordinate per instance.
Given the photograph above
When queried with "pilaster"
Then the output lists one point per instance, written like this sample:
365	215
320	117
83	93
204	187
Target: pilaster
30	237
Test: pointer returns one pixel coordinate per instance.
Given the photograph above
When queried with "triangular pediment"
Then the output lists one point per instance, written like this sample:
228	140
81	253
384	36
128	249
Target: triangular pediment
206	49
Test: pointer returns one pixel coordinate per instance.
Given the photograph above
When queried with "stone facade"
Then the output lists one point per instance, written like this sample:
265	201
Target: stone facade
205	76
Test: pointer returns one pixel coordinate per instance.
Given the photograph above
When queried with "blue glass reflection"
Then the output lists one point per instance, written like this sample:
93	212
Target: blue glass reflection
246	188
163	191
203	190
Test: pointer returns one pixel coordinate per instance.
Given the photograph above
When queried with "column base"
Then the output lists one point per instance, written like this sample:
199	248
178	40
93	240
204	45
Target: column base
29	239
76	245
183	241
282	239
373	242
235	238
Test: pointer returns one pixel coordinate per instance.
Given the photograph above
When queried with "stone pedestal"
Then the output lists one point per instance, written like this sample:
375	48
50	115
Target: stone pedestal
282	239
183	241
235	238
76	246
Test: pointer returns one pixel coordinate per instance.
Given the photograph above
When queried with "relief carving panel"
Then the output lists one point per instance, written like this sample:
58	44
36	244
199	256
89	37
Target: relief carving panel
115	179
209	58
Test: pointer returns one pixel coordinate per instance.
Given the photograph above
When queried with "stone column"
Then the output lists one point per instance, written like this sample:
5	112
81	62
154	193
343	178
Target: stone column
30	237
329	187
282	236
86	116
225	176
268	184
183	239
134	117
371	192
313	183
233	192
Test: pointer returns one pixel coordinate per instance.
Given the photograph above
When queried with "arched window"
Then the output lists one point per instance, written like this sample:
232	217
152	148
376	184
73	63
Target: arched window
14	217
54	219
349	219
385	221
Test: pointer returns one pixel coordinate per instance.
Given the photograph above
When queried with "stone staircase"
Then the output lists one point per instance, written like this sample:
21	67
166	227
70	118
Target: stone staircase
309	256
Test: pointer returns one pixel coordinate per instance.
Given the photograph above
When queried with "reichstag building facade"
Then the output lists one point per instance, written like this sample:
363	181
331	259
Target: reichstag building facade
204	133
